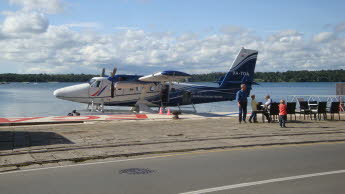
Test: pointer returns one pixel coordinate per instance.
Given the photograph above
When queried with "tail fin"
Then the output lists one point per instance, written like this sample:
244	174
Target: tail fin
242	69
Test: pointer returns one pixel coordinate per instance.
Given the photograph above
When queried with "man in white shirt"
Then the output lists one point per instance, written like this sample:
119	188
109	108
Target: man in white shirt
254	109
267	107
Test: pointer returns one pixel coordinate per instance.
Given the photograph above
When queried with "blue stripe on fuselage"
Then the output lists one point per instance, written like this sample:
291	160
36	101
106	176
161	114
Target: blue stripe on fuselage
199	94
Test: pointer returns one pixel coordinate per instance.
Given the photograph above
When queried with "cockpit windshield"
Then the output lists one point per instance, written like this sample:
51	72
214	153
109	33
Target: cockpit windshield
95	83
91	81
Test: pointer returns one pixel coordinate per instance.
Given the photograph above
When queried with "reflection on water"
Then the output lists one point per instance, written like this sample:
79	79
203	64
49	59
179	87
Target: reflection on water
26	100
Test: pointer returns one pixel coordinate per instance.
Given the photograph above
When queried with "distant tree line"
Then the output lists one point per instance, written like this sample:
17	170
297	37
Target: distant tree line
11	77
207	77
302	76
289	76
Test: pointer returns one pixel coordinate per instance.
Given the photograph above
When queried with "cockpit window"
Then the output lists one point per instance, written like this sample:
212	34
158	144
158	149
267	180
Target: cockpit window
91	81
96	84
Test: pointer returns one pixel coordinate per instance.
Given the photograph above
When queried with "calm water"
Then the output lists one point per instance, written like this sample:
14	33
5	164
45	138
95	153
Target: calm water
26	100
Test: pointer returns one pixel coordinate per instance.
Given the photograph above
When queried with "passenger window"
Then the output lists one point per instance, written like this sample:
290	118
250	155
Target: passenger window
122	79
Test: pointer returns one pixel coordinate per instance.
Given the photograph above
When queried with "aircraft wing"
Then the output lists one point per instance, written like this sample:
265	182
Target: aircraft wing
165	76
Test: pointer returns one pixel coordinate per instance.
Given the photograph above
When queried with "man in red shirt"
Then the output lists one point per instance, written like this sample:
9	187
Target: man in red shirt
282	113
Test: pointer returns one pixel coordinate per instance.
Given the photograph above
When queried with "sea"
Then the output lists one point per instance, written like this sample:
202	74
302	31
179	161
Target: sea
37	99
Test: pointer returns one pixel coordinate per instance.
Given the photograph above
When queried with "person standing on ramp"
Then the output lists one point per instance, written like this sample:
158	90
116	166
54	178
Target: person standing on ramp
241	98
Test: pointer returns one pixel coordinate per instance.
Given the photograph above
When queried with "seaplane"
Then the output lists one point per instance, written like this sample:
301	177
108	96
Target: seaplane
162	89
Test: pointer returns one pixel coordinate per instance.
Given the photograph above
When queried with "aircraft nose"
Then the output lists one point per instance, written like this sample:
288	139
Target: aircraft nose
58	93
75	91
61	93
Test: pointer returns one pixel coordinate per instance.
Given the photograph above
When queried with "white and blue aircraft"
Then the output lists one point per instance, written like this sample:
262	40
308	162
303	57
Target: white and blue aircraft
161	89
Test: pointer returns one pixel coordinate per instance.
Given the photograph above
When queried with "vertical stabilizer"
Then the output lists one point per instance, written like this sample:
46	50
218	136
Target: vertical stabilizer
242	69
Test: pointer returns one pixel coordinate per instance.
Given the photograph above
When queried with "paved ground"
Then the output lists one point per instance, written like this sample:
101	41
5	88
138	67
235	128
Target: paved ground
50	145
269	170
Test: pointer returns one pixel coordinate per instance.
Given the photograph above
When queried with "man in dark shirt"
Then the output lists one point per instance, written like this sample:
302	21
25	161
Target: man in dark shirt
241	98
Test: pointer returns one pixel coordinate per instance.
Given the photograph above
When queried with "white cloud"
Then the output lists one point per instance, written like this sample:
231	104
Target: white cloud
30	19
29	41
44	6
323	37
286	36
63	50
17	23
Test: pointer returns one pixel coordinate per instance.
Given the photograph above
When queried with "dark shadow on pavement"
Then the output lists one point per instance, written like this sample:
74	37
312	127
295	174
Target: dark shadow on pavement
309	127
20	139
296	121
211	115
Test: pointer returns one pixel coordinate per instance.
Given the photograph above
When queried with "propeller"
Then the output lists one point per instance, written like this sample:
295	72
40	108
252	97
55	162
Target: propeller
114	72
112	88
103	73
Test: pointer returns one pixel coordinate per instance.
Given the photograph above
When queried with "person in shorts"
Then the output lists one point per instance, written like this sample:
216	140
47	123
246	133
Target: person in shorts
282	113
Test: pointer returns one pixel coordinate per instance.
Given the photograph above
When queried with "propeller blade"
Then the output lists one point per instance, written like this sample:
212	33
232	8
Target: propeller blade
112	89
103	72
114	72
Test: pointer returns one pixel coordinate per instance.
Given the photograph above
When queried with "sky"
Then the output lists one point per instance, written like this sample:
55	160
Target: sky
146	36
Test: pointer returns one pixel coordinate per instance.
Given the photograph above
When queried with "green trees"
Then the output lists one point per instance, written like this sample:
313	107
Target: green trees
10	77
207	77
288	76
302	76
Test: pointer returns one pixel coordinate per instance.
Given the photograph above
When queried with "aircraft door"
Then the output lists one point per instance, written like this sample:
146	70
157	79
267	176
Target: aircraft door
164	94
187	98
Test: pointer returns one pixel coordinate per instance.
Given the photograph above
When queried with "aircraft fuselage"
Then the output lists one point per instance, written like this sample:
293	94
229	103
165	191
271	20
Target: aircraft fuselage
176	94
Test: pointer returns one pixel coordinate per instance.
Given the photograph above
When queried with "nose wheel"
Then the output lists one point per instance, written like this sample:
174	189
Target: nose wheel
95	107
